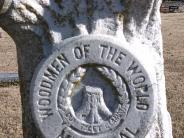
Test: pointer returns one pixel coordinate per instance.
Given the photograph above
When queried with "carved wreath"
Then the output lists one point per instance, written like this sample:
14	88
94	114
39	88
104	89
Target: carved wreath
76	76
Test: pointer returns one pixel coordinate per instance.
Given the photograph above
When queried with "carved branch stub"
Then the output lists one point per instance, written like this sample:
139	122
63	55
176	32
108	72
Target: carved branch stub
4	5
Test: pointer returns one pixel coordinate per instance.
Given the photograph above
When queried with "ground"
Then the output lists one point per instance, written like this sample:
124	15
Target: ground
10	122
173	36
8	60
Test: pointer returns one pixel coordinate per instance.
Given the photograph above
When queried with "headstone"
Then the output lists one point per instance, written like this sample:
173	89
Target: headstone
90	69
93	86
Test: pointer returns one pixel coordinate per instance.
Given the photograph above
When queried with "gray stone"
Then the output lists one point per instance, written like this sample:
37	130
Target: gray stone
90	87
41	27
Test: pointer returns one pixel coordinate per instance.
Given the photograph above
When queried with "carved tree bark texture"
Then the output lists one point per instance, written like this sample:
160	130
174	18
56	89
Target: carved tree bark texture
37	26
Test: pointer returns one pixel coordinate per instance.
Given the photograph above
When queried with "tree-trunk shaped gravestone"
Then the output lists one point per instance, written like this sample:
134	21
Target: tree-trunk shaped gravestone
89	68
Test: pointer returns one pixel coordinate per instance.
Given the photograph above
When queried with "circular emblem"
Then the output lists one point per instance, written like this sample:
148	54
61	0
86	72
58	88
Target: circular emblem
92	87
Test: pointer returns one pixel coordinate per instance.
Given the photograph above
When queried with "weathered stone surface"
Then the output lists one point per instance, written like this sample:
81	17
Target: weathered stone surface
37	28
93	87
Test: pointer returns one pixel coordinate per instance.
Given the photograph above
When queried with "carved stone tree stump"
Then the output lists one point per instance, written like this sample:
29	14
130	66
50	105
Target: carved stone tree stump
39	27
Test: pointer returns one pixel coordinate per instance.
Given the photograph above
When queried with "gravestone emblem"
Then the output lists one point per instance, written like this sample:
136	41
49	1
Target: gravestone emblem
92	87
92	105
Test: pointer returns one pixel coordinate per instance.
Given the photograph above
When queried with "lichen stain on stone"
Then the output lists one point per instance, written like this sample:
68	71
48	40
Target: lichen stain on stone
120	16
109	2
58	1
90	8
122	2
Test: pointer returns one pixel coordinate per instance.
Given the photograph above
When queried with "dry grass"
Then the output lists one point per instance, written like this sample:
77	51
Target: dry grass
10	122
8	58
173	34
